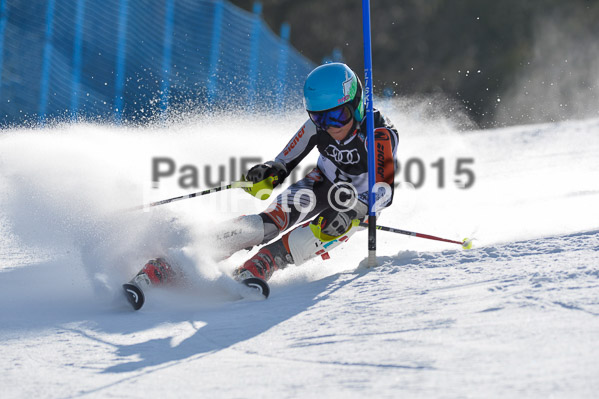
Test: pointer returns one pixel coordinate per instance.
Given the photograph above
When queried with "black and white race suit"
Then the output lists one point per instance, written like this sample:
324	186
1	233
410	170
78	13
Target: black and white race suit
340	163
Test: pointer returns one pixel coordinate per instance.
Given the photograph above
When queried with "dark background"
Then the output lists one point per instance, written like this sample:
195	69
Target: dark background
502	62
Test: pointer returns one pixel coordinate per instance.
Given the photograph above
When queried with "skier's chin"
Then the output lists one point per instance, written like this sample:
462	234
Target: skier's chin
339	133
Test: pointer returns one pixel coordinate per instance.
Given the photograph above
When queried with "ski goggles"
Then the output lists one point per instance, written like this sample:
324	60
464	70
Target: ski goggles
336	117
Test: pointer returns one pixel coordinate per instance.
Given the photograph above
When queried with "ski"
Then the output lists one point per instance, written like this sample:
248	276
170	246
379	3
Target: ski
134	295
259	285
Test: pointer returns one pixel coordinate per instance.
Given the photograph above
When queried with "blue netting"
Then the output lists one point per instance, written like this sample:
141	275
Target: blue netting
132	59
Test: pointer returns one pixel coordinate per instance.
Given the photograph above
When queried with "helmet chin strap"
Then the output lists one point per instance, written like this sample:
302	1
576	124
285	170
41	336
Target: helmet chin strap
356	124
353	130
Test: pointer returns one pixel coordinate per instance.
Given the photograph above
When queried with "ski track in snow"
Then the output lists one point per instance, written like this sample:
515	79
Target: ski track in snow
517	316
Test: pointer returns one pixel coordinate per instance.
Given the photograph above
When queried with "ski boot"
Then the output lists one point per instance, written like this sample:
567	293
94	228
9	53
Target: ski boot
260	267
155	272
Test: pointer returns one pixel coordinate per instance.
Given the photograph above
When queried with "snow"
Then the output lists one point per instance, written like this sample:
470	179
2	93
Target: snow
516	316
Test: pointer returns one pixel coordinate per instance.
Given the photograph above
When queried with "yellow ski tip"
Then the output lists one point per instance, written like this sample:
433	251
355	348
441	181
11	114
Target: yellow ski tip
467	243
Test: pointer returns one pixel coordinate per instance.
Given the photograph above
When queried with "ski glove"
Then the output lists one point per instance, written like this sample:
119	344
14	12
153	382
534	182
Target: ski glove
265	177
332	224
263	171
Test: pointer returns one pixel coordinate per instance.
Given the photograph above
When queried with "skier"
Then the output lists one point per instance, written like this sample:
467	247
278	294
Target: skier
328	202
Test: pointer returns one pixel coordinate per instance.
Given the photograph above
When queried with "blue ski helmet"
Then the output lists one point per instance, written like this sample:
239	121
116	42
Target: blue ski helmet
331	85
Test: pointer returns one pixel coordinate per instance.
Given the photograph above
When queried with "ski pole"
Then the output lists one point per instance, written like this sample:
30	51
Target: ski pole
466	243
198	194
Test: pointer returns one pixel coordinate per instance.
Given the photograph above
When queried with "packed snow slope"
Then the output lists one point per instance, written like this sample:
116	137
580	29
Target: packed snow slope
516	316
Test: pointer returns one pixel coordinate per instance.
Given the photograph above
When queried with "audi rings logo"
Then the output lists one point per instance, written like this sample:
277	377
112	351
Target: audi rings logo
342	196
347	157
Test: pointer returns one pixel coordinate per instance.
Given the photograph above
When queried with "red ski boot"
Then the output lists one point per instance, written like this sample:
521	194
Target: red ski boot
260	267
155	272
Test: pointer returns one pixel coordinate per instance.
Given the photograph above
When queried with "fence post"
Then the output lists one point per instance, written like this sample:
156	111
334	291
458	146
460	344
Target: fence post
119	84
46	62
77	45
3	20
167	50
282	67
215	52
254	50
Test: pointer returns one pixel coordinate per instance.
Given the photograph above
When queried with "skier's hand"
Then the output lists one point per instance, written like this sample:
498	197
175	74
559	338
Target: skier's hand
265	177
263	171
332	224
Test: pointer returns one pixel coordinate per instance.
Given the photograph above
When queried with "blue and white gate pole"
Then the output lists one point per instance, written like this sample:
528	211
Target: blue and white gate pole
369	133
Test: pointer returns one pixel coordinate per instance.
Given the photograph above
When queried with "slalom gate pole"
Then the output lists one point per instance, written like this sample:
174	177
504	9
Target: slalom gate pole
466	243
182	197
369	132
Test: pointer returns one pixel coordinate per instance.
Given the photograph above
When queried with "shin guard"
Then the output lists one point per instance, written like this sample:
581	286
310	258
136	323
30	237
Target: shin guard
304	245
